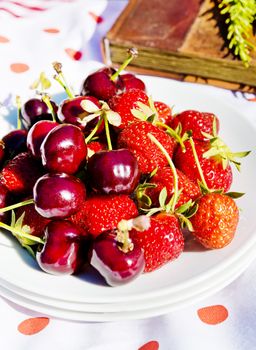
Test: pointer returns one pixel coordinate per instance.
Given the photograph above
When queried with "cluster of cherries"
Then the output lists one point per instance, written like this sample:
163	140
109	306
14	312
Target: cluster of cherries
61	142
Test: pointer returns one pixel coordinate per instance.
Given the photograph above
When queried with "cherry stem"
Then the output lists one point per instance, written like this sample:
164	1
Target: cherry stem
93	132
21	234
18	104
107	132
192	144
61	79
17	205
132	53
170	162
48	103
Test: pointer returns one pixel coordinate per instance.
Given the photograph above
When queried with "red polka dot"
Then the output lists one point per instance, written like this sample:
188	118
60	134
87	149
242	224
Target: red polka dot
75	55
33	325
98	19
151	345
253	99
51	30
3	39
213	314
19	67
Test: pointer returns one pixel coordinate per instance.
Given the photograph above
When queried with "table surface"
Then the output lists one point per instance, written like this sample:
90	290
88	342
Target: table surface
34	33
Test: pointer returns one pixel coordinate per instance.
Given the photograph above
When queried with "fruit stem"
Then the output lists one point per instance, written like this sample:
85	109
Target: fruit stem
21	234
17	205
48	103
107	132
61	79
18	104
170	162
198	163
93	132
173	133
132	54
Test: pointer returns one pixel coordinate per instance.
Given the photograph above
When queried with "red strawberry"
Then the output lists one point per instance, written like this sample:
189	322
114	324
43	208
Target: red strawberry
32	219
215	221
164	178
124	103
161	243
215	175
164	112
94	147
103	213
20	173
135	138
196	122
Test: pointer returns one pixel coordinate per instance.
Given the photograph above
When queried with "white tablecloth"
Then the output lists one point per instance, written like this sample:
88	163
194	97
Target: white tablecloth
33	34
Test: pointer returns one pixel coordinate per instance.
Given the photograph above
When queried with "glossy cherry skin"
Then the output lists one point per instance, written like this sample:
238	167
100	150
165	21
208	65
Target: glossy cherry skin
99	84
34	110
113	172
15	142
37	134
60	254
112	263
71	112
64	149
132	82
58	196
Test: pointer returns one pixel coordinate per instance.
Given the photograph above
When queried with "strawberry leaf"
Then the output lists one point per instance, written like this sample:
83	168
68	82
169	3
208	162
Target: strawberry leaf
235	195
163	197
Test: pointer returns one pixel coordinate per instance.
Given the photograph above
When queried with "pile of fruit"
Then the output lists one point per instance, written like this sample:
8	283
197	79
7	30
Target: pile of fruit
112	178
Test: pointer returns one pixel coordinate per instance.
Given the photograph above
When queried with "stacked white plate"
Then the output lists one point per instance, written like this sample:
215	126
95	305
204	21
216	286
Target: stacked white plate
195	275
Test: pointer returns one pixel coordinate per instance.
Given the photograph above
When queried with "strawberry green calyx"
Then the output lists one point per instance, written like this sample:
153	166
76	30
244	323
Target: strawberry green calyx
22	233
132	52
176	134
220	150
59	77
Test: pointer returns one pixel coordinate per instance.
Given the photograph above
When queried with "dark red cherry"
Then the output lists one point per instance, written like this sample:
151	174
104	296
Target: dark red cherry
60	254
132	82
99	84
113	172
2	153
15	142
58	195
34	110
71	112
116	266
64	149
37	134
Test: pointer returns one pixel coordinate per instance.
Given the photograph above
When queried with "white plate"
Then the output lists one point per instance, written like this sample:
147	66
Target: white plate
225	278
193	268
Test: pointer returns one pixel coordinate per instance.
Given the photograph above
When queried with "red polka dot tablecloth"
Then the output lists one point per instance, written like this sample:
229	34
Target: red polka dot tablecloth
33	34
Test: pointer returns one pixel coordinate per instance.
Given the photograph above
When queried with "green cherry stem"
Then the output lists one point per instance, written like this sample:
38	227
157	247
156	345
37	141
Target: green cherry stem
17	205
192	144
48	103
59	77
18	104
107	132
132	54
93	132
170	162
21	234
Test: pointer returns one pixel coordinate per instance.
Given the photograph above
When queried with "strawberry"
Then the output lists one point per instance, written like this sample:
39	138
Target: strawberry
197	122
164	112
135	138
164	178
124	103
161	242
215	221
34	222
94	147
20	173
102	213
216	176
